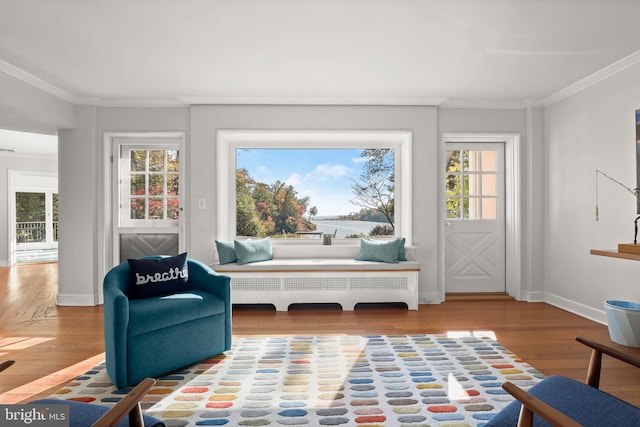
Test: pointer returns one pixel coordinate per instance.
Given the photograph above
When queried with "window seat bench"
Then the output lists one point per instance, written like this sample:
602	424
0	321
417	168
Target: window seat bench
346	281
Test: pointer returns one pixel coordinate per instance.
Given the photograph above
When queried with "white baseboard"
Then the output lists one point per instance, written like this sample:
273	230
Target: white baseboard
4	263
430	298
75	300
577	308
532	296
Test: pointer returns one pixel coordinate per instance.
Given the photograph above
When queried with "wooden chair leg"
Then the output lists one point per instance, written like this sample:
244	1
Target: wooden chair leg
135	417
526	417
129	404
595	366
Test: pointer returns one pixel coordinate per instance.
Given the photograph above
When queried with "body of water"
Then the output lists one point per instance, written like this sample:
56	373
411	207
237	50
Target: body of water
344	228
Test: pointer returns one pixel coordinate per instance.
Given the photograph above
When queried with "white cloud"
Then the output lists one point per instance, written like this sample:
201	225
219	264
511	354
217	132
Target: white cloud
325	172
334	171
358	160
295	179
262	174
328	186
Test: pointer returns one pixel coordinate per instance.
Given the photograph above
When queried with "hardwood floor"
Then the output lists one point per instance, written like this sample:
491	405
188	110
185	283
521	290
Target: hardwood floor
52	345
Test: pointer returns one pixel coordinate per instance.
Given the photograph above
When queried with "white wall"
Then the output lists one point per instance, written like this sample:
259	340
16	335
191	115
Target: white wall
592	129
81	177
82	162
421	121
28	109
77	205
482	120
529	125
82	159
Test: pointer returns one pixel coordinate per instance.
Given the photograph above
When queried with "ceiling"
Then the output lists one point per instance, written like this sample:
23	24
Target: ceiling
416	52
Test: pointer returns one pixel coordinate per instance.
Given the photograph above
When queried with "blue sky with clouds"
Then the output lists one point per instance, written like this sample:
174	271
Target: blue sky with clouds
324	175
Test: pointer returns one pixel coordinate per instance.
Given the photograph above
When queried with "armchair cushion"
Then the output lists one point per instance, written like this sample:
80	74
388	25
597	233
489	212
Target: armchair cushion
150	314
153	277
585	404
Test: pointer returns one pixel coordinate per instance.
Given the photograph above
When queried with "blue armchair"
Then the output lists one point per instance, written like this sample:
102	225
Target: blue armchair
126	413
150	337
561	401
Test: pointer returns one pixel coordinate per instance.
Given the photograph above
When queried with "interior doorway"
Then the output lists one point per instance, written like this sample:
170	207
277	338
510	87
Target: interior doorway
512	205
147	197
475	217
33	216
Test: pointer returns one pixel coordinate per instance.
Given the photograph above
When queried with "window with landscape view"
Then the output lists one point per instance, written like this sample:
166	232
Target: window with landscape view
299	186
307	192
150	186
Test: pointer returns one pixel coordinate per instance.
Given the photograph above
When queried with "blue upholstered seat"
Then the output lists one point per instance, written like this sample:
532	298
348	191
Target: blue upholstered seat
176	308
153	336
85	414
586	405
568	402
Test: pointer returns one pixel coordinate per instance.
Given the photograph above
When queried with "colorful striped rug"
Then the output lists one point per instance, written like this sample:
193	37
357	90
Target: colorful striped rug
341	380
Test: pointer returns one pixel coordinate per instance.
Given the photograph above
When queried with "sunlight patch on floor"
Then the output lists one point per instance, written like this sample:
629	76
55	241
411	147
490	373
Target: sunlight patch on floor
50	382
24	342
477	334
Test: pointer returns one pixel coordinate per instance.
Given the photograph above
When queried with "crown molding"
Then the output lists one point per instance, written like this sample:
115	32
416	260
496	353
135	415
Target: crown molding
535	103
484	104
37	82
183	101
594	78
311	100
136	102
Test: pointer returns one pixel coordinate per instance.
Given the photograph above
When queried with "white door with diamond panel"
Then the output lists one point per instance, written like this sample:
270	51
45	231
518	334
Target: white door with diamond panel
148	203
474	218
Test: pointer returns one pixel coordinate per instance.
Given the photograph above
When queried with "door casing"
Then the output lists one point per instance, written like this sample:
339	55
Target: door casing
14	179
107	212
513	196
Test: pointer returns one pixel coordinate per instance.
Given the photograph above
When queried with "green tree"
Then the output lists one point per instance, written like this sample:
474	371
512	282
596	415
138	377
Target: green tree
265	210
381	230
290	209
313	211
30	207
248	221
374	188
456	187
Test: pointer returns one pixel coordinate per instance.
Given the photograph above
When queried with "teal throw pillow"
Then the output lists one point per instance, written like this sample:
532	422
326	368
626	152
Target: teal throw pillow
380	251
253	250
226	252
402	254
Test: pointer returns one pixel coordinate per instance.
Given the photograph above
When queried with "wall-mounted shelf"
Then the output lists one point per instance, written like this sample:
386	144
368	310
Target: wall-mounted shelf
625	251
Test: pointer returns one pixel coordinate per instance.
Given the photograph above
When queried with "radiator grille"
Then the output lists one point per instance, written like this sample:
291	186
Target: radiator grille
264	284
315	283
379	283
261	284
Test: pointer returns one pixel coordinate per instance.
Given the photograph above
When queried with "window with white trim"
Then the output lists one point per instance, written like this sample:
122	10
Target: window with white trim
149	186
259	170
